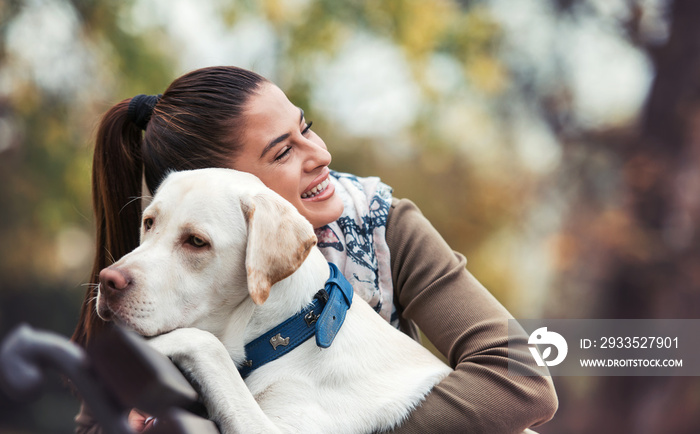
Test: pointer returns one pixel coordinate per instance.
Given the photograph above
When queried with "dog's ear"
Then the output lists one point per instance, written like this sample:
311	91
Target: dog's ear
279	240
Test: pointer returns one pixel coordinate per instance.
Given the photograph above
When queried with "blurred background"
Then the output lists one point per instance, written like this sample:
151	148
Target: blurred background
556	143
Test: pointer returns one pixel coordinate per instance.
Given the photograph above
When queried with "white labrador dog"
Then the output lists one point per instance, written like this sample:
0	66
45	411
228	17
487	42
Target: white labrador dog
222	261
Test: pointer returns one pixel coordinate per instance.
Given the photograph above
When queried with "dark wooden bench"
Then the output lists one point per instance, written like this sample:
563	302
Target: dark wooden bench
118	372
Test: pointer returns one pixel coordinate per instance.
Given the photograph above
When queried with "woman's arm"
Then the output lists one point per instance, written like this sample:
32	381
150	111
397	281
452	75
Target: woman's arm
470	327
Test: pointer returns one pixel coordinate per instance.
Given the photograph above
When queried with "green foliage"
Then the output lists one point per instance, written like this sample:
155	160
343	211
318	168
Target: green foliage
47	171
45	179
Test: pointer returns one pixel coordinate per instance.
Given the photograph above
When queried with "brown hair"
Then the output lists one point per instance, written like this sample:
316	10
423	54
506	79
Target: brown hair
194	125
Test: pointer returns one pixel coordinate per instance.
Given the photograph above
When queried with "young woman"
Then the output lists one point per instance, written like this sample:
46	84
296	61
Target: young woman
231	117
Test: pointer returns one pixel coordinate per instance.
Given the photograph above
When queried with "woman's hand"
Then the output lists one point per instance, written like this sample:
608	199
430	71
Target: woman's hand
139	421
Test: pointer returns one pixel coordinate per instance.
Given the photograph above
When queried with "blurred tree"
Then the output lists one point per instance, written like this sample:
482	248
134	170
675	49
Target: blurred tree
653	272
637	250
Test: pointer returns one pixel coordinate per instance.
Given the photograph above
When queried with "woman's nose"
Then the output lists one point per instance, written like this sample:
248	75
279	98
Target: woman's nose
317	156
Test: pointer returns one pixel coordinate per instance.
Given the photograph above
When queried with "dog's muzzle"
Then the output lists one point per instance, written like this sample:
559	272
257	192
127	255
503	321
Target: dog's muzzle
114	284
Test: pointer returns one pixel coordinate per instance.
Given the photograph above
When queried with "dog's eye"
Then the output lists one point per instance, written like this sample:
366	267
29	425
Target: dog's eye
148	223
196	241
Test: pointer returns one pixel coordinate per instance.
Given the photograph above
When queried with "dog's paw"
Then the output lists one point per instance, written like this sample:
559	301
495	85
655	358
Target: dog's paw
185	343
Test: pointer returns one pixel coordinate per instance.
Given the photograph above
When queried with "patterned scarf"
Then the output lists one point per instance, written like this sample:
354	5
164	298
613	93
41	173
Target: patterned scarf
356	242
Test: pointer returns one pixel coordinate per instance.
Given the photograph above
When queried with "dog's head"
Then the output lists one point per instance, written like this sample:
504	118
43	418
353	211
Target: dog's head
209	239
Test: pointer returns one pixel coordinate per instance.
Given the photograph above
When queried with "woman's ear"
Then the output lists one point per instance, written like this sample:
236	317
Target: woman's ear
279	240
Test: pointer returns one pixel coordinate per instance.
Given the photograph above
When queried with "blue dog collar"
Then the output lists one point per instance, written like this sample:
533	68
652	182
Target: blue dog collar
326	314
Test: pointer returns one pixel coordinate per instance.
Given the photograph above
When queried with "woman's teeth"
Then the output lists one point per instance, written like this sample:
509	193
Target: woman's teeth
316	190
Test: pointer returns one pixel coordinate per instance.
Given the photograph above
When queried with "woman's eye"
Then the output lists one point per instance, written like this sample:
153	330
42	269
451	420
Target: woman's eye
197	241
148	223
283	154
307	128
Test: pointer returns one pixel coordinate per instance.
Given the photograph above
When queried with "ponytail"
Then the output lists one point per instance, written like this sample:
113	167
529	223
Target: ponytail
116	187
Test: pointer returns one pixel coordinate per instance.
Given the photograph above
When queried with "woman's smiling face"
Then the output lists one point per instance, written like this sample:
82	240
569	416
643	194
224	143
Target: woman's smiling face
279	147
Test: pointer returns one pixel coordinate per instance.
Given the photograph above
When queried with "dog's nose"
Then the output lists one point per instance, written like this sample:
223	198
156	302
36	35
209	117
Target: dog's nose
113	279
